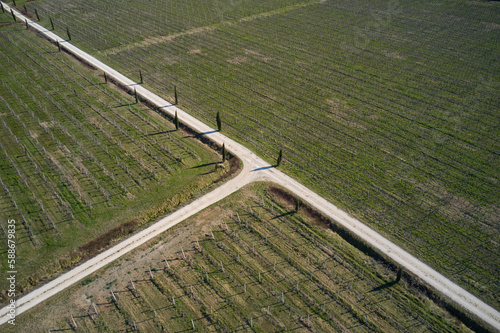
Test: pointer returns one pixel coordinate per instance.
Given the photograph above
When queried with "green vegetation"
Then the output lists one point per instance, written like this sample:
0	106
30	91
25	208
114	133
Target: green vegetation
81	166
388	109
250	263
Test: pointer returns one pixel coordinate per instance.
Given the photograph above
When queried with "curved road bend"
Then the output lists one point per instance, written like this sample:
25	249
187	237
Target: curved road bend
254	169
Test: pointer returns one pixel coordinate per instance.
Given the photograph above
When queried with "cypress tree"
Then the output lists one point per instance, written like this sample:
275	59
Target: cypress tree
297	203
25	9
280	156
26	21
140	74
136	97
3	9
176	121
51	23
175	94
105	78
223	153
400	274
67	31
14	2
36	13
58	46
219	121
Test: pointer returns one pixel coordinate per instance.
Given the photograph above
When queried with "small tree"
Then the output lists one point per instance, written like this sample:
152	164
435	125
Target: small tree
105	78
223	153
51	23
280	156
219	121
176	121
140	75
175	94
399	275
136	97
67	31
36	13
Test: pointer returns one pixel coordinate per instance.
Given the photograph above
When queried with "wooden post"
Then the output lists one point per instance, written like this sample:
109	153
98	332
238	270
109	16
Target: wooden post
150	273
133	285
95	309
166	262
113	294
74	322
183	255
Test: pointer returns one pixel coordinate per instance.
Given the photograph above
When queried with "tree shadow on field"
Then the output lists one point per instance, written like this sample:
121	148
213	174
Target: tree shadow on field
384	286
204	165
158	133
283	215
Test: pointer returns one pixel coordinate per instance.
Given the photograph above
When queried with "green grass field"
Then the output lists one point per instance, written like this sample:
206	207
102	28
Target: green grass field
224	269
387	108
81	164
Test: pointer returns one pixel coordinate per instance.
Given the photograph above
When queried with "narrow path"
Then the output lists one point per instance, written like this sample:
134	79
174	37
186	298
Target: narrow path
254	169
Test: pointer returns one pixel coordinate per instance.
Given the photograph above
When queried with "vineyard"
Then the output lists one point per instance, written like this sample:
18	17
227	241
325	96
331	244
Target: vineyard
81	163
388	109
251	263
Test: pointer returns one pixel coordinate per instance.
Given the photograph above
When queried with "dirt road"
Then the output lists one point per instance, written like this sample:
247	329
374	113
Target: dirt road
254	169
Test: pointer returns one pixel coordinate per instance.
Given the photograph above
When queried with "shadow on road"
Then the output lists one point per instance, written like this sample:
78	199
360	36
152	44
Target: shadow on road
264	168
